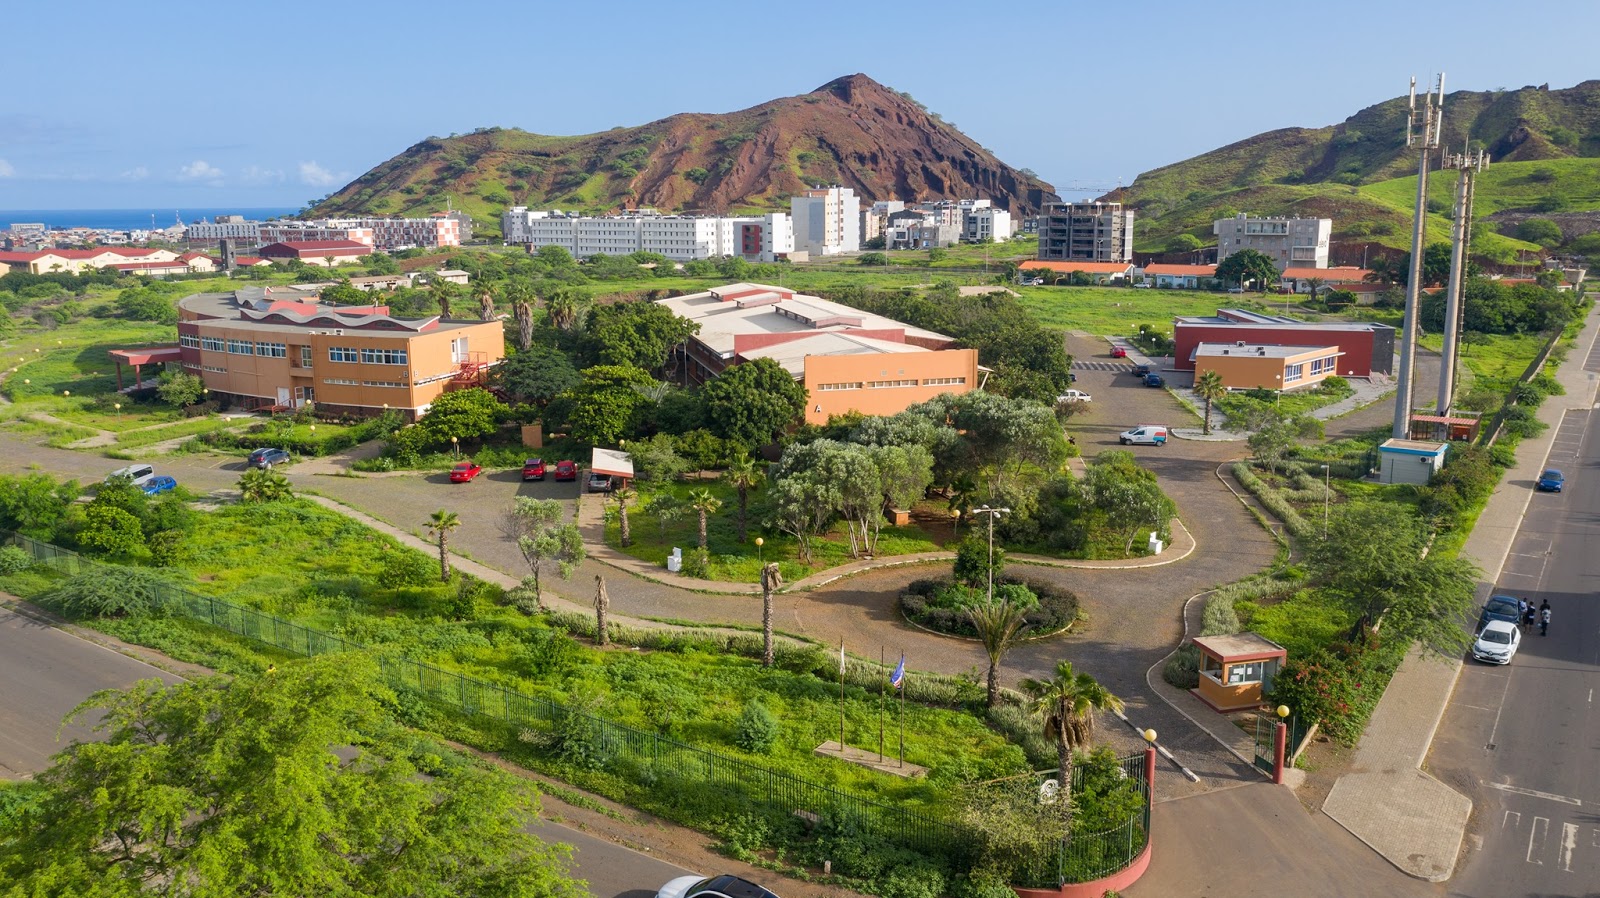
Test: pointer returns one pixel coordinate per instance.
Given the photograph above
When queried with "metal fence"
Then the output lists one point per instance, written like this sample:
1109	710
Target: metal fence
1086	856
664	766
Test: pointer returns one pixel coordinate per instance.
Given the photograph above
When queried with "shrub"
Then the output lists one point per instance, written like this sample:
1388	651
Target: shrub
14	560
972	561
1219	618
113	592
403	567
1273	500
941	605
1183	668
756	730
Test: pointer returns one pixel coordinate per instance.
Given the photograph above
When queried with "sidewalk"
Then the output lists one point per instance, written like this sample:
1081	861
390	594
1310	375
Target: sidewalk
1387	800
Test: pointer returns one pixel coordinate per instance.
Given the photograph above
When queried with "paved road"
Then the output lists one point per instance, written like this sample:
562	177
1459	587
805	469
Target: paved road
1523	741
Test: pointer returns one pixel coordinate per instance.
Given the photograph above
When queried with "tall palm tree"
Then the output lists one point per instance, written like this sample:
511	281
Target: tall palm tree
1209	386
486	305
440	523
562	307
624	495
999	624
771	581
443	292
704	504
602	604
1065	706
745	476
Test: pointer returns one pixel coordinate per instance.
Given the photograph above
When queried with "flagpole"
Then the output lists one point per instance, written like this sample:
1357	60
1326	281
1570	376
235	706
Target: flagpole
883	687
902	688
841	696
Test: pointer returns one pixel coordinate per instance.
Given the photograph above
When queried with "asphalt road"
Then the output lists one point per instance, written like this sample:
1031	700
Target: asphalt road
47	672
1523	741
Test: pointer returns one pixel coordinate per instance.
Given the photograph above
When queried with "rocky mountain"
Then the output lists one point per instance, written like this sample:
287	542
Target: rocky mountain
1327	171
851	131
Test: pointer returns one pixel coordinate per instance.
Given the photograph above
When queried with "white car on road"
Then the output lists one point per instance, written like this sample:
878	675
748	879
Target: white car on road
1497	642
1073	396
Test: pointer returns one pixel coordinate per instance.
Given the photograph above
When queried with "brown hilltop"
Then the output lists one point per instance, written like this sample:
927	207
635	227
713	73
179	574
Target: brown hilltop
851	131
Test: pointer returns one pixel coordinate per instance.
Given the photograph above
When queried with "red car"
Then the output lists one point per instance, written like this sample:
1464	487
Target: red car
464	471
566	470
533	469
1117	352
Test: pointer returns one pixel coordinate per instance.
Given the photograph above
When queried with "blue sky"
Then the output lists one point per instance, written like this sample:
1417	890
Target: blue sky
216	104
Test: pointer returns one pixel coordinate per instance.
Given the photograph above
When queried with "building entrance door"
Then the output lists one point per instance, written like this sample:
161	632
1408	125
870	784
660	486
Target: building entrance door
283	396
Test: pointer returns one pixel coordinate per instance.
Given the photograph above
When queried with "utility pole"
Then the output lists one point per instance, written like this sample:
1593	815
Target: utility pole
1468	165
1426	143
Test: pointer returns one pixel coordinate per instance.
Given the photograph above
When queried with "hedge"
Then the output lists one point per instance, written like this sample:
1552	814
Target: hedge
1057	607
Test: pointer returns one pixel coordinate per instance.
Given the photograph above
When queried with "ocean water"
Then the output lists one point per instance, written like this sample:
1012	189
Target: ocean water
130	219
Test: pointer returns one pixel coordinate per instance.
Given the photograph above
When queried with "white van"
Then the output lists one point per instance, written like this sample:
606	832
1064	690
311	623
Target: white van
1145	434
139	474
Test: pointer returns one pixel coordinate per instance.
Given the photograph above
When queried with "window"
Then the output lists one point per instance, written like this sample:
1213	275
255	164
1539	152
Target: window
343	354
943	381
341	381
190	341
383	356
381	383
884	384
213	369
214	344
305	357
272	350
1251	672
1292	373
823	388
241	347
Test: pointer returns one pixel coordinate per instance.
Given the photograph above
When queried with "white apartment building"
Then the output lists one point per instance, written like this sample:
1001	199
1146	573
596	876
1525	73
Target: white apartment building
827	221
981	224
682	238
1289	242
224	227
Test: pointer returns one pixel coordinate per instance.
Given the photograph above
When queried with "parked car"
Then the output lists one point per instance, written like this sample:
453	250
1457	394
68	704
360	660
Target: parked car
1117	352
1140	370
566	470
533	469
267	457
1551	481
1154	380
1501	608
1074	396
599	483
725	886
1148	434
1498	643
1141	286
1033	282
1235	289
138	475
465	471
155	486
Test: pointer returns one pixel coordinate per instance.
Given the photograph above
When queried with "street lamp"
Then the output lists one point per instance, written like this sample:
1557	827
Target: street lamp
1149	736
1326	494
455	447
118	407
759	543
992	514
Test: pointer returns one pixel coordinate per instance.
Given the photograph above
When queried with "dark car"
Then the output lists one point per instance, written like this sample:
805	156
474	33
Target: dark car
1499	608
599	483
267	457
1551	481
1154	380
464	471
566	470
533	469
1141	370
155	486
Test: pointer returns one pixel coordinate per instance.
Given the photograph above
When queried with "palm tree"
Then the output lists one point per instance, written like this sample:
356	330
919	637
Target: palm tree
486	305
443	292
602	604
745	476
704	504
263	485
624	495
1065	705
562	307
999	624
771	581
1209	386
440	523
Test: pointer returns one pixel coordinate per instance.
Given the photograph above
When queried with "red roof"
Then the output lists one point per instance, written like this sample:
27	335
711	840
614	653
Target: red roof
190	257
304	245
1085	267
1329	275
18	257
1203	271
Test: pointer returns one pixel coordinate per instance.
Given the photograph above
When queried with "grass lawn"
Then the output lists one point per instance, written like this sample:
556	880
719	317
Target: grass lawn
1237	408
186	428
1116	311
735	561
1497	357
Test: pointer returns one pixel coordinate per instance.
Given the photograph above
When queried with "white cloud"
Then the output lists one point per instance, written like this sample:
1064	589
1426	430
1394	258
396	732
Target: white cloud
201	170
257	175
317	176
137	173
6	170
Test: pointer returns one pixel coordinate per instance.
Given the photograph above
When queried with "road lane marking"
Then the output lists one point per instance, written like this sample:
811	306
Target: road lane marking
1535	793
1536	834
1569	841
1507	819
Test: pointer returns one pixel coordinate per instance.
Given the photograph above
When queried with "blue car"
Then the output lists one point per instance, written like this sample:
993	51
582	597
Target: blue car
1550	481
1154	380
155	486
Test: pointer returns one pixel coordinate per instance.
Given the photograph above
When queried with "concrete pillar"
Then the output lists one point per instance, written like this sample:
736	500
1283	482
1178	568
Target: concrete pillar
1280	741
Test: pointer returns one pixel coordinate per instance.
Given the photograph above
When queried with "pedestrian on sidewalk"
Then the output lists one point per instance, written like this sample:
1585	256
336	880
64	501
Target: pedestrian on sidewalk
1544	618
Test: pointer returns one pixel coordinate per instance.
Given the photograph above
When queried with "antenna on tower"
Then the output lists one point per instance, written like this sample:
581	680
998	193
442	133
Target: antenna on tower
1411	109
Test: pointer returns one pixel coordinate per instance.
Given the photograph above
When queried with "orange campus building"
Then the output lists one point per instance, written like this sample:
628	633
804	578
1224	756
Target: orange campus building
281	348
848	360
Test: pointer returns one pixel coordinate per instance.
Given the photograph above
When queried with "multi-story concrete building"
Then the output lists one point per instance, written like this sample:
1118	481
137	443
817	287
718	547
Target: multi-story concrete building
281	347
985	224
315	231
224	227
875	218
1289	242
827	221
1086	232
323	253
1362	348
681	238
848	360
388	234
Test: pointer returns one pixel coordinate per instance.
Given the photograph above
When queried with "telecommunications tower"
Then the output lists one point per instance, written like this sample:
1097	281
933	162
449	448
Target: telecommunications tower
1468	164
1426	141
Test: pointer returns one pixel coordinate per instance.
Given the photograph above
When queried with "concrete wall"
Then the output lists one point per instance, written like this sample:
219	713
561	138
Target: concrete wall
1357	345
864	370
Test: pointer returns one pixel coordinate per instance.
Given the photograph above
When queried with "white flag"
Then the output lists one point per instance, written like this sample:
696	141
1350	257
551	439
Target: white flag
841	659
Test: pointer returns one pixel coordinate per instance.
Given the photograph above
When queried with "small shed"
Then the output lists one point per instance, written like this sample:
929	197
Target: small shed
613	462
1409	461
1236	671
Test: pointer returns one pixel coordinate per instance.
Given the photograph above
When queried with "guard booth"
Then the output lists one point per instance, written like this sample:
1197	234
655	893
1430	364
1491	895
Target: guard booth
617	465
1236	671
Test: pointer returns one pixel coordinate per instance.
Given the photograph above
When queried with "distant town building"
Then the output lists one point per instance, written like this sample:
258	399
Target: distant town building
875	218
1186	277
387	234
827	221
1085	232
1249	366
224	227
324	253
28	230
73	261
681	238
1097	272
1361	348
985	224
316	231
1304	280
1288	242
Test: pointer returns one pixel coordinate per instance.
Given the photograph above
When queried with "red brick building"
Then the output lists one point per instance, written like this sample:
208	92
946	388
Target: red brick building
1366	348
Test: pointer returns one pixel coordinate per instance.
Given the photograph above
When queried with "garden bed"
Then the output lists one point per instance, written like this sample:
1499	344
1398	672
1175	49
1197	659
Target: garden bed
940	605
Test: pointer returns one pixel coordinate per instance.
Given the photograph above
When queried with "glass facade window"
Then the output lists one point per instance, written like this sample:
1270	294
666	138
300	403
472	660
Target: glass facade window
343	354
214	344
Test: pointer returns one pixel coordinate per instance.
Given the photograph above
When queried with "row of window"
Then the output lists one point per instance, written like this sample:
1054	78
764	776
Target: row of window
888	384
1292	373
1320	365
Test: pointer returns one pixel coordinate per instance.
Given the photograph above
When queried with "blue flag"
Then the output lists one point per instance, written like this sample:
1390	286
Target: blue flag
899	675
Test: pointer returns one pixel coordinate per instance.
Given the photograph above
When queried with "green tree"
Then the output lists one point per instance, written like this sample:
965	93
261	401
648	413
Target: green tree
1065	705
380	263
1183	243
637	334
605	401
535	375
546	540
1248	266
342	293
1542	231
1209	387
179	388
464	414
1127	495
753	403
745	476
802	505
440	523
562	306
290	782
974	560
1274	435
704	505
444	293
111	530
146	304
999	625
113	591
35	504
263	485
